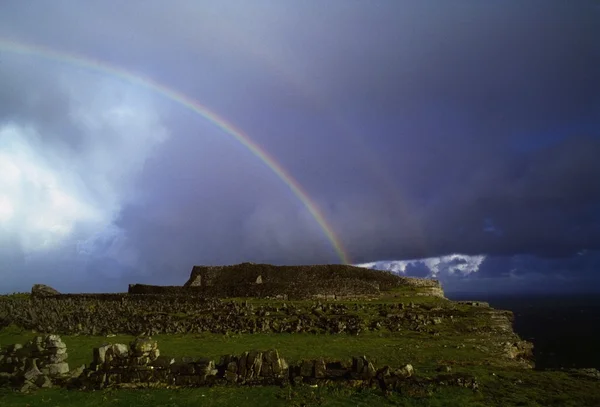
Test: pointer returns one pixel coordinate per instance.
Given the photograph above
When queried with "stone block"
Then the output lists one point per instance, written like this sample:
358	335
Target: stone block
31	370
143	346
57	358
232	367
242	364
320	369
55	369
205	367
307	368
139	361
266	370
231	377
254	364
358	364
154	354
27	386
120	350
53	341
99	354
370	371
43	382
163	362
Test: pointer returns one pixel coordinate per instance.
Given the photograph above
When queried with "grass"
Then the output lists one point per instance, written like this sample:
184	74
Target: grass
383	348
501	383
247	397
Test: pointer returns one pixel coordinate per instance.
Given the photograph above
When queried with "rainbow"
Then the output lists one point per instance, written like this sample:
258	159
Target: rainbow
194	106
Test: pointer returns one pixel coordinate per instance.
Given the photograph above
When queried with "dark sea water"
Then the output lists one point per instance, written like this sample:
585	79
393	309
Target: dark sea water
565	329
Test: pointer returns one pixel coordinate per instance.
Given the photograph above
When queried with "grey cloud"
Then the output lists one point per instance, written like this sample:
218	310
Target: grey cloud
411	125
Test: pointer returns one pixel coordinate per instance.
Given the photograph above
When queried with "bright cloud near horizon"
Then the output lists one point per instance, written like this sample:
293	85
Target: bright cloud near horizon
435	140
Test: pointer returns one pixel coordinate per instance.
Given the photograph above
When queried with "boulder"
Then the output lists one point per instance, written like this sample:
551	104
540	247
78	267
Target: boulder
41	290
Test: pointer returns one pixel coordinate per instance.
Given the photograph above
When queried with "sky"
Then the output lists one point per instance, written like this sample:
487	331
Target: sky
456	140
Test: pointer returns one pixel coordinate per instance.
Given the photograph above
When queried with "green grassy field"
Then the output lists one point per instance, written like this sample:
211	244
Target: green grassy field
501	383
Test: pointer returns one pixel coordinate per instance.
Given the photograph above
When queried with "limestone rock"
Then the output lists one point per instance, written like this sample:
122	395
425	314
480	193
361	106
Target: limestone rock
53	341
405	371
55	369
31	370
320	368
120	350
43	381
100	354
27	387
78	371
163	361
42	290
144	347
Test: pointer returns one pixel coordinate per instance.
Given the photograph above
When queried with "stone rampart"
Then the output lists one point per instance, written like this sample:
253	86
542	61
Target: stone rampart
249	279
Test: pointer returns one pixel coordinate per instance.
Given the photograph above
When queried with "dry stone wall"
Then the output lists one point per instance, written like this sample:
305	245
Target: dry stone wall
140	364
39	363
343	288
153	314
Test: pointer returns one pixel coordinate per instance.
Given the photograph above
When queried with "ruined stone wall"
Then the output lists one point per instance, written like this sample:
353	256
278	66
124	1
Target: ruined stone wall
343	288
141	365
152	314
172	290
40	363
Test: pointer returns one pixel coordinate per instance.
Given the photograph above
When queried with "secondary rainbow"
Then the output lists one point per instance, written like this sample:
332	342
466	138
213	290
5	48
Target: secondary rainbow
196	107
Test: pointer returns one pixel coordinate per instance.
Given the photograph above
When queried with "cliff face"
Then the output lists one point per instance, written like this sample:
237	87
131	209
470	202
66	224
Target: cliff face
250	280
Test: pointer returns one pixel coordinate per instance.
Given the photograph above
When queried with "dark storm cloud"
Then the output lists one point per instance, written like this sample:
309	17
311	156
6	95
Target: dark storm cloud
414	126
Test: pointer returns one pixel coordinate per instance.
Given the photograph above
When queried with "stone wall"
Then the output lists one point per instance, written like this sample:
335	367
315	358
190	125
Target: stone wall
141	365
344	288
153	314
171	290
39	363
